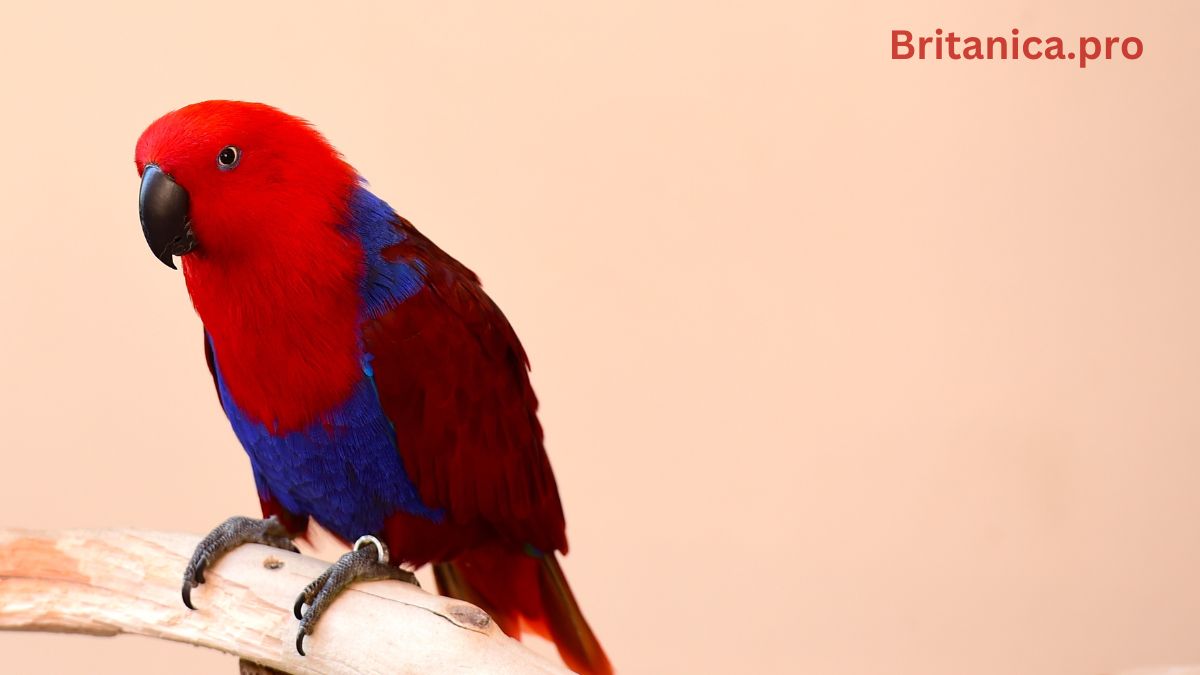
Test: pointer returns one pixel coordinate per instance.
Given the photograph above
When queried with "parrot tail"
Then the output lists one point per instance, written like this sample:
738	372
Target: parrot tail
521	590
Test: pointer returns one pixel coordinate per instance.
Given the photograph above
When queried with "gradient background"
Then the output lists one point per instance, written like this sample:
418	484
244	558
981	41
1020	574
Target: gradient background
848	365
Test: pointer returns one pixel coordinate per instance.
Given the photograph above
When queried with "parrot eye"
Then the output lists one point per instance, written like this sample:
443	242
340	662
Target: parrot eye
229	157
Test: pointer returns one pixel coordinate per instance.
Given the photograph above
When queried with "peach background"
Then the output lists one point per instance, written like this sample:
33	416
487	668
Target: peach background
848	365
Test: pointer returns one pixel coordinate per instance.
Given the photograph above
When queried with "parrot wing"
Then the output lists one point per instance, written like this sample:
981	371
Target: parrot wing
453	379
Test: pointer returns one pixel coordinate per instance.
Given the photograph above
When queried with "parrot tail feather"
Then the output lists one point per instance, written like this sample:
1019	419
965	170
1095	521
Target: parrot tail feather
519	591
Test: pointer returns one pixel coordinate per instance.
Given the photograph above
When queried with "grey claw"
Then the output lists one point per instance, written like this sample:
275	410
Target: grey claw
227	536
193	577
361	564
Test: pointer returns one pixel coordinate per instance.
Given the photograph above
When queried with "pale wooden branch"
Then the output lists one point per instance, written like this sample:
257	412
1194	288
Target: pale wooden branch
106	582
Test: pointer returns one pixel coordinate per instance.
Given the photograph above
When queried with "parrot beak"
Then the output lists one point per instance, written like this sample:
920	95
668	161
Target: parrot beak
163	207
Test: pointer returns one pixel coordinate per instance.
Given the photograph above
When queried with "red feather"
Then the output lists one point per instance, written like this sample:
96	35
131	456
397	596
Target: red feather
453	379
274	266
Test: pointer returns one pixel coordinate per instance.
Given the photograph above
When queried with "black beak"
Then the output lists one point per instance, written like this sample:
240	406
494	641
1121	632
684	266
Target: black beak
163	206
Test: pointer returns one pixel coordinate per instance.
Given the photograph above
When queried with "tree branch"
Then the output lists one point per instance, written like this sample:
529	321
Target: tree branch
106	582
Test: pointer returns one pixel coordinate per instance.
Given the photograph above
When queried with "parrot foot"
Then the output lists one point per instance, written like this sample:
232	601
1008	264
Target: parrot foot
227	536
367	562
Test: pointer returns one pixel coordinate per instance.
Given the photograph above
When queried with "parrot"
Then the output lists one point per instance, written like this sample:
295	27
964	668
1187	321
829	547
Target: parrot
374	385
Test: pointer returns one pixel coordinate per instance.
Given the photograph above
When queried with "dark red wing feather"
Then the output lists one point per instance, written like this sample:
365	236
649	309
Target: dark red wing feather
453	379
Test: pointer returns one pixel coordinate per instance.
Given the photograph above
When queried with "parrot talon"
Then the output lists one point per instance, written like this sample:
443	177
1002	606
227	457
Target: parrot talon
227	536
367	562
191	581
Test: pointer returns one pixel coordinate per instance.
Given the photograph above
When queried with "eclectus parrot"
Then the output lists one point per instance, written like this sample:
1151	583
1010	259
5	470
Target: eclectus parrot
376	388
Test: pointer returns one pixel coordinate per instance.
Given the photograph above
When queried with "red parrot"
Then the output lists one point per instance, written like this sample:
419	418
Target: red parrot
374	385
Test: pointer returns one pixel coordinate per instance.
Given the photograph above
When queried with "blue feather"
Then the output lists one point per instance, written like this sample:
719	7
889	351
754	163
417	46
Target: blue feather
386	283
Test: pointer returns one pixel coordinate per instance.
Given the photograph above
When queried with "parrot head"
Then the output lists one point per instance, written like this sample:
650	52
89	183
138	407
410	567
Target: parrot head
226	180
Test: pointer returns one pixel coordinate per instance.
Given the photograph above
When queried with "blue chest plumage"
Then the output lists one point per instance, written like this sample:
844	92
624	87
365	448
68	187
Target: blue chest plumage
344	468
